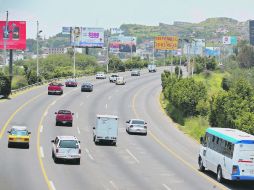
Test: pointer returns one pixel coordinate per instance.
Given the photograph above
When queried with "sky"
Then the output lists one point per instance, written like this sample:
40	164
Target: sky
54	14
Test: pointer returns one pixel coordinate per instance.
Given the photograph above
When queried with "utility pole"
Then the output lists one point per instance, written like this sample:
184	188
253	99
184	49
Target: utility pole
37	49
108	36
153	51
171	73
6	36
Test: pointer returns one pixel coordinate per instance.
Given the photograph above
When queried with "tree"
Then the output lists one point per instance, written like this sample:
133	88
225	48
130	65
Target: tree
5	85
245	57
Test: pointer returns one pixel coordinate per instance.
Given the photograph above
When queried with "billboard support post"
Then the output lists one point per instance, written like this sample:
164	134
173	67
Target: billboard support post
37	50
171	64
87	50
153	51
10	66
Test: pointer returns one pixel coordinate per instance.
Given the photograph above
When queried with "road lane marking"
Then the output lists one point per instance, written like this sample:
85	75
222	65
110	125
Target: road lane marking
53	103
52	185
41	129
77	115
129	152
165	186
171	151
81	104
42	153
89	154
106	106
113	185
78	130
45	114
15	113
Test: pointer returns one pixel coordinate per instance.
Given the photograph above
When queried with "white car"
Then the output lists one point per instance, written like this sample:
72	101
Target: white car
113	77
66	148
138	126
120	81
135	72
100	75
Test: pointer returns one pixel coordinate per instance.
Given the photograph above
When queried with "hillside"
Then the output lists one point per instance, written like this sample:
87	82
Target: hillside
212	29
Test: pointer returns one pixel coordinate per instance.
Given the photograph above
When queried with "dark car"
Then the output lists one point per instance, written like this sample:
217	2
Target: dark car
87	87
64	117
71	83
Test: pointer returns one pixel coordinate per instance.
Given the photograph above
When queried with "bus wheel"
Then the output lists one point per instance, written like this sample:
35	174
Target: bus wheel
200	164
219	174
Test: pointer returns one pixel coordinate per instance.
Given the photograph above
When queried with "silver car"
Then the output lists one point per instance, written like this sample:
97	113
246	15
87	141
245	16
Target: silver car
135	72
66	148
136	126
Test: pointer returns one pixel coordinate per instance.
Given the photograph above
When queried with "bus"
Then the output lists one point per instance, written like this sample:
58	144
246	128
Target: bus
227	152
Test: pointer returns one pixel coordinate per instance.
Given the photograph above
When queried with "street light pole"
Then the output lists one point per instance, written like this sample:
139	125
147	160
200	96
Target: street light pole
108	51
37	49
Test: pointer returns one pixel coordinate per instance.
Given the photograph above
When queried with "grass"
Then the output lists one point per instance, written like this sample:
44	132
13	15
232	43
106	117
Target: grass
196	126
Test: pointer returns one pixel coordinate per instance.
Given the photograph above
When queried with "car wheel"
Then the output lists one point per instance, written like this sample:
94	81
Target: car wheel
78	161
27	146
9	145
57	123
145	134
48	93
71	124
219	175
114	143
200	164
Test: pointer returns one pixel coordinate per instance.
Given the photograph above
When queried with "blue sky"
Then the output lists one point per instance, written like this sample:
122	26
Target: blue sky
53	14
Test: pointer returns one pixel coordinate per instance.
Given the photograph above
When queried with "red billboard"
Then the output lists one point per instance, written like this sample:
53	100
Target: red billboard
15	38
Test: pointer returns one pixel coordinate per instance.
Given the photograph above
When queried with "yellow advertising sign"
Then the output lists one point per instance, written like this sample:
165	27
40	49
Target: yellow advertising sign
166	42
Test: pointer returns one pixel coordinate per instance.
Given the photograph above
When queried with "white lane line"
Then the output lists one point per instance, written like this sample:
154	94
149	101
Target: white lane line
78	130
109	98
89	154
113	185
165	186
41	129
53	103
129	152
106	106
45	114
77	115
52	185
81	104
42	153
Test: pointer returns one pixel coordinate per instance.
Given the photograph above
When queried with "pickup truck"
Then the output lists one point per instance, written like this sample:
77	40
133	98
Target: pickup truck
106	129
55	88
64	117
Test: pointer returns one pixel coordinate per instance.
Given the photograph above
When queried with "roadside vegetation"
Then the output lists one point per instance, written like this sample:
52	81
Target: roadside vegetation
217	97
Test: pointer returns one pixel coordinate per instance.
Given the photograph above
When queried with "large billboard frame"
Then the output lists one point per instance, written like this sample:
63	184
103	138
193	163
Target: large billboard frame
15	37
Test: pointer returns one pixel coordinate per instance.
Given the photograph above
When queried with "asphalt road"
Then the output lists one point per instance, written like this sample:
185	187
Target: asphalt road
165	159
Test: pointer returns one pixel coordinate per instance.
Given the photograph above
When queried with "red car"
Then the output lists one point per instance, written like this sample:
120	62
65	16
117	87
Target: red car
64	117
71	83
55	88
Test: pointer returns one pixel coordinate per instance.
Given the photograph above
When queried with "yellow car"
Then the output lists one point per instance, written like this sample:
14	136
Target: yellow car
18	135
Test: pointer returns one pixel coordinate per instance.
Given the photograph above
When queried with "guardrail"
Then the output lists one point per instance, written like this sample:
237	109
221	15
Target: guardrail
42	83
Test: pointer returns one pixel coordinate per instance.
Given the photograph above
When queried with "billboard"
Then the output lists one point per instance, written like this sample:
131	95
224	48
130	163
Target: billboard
14	36
212	51
122	44
229	40
196	47
166	42
87	37
251	31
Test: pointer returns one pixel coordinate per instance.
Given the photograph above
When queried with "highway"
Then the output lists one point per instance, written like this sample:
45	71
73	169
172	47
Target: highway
165	159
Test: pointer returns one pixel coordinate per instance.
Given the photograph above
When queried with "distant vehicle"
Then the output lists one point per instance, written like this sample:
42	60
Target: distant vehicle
135	72
120	81
152	68
71	83
138	126
106	129
87	87
18	135
113	77
55	88
100	75
66	148
227	152
64	117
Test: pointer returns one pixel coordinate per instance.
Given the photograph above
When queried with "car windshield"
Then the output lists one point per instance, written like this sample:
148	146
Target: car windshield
64	112
19	132
139	122
68	144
